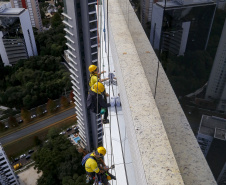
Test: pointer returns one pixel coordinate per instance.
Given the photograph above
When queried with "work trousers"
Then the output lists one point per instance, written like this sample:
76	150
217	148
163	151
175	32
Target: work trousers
101	177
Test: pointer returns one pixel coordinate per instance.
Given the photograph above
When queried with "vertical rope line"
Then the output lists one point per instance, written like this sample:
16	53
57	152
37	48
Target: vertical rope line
113	95
123	155
108	49
105	39
160	50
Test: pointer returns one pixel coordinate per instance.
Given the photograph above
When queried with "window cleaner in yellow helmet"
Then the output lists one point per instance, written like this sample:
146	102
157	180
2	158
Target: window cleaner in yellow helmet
95	93
95	166
94	75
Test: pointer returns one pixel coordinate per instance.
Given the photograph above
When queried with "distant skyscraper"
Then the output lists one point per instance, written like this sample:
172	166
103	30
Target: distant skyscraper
146	7
212	140
16	35
7	175
33	7
81	33
221	4
180	26
216	89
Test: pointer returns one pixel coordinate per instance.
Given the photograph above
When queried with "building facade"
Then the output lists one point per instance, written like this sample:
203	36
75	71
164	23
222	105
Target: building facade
80	21
181	26
16	35
146	7
216	89
212	140
33	7
7	176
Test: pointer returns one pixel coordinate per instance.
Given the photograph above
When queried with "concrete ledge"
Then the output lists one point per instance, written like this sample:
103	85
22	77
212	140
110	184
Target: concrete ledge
191	162
152	155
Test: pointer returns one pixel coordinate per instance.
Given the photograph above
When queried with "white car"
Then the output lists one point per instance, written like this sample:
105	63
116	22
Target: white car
22	156
33	116
62	133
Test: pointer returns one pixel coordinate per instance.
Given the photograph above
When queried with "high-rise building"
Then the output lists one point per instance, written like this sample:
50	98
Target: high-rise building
16	35
33	7
146	12
181	26
81	33
7	175
216	88
212	140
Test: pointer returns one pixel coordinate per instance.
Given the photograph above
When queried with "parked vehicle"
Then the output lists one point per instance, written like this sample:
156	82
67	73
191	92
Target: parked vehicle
22	156
17	166
30	151
16	159
69	129
76	129
45	111
28	157
62	133
33	116
20	121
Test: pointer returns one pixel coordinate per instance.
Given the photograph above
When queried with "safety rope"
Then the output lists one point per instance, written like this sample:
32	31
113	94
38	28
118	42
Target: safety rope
101	55
110	84
160	50
108	56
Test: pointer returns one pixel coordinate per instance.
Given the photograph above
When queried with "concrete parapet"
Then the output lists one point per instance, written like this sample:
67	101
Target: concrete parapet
163	146
153	158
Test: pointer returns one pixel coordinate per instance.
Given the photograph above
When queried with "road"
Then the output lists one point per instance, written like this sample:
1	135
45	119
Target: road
37	126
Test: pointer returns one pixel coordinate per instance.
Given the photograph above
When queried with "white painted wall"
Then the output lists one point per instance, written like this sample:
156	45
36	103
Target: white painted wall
26	25
3	51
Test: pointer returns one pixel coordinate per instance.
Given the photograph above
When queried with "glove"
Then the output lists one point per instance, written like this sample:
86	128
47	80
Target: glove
102	111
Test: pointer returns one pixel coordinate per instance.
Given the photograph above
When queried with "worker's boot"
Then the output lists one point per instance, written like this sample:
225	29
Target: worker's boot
105	121
113	177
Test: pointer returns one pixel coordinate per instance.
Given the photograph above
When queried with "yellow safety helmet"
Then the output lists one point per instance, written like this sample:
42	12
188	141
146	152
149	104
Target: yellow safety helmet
98	87
92	68
101	150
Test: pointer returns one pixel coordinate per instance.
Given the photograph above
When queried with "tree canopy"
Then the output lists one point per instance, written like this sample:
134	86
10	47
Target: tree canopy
51	105
31	82
59	162
52	42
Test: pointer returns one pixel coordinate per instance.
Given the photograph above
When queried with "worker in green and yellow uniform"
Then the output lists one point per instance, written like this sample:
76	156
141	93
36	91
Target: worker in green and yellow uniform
93	163
94	75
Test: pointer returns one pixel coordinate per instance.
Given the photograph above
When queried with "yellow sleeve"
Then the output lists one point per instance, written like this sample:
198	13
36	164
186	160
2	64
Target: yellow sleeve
93	80
94	167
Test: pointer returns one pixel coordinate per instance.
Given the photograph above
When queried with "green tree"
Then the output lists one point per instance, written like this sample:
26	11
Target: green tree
26	115
59	161
37	141
51	105
27	101
39	111
31	82
56	20
64	101
12	121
